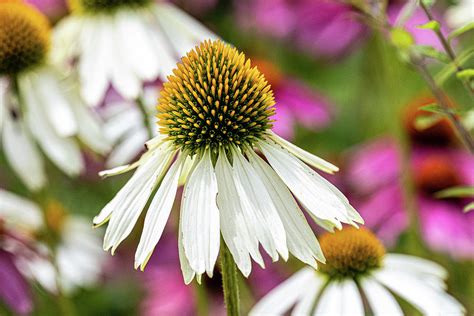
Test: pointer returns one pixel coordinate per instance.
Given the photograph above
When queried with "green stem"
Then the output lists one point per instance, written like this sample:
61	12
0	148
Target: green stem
448	48
229	282
142	107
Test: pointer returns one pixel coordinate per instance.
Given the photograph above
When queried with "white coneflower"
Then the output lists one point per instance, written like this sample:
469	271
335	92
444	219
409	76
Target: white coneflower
214	111
125	43
78	254
36	105
127	128
357	266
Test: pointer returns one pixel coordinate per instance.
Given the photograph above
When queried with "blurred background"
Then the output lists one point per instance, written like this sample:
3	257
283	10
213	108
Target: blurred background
343	92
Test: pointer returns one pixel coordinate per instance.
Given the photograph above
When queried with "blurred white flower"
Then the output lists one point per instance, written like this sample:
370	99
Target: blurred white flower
37	105
354	264
125	127
460	14
78	253
124	44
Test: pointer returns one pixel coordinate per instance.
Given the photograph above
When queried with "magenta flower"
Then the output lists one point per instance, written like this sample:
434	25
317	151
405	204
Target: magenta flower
53	9
14	290
373	176
324	28
375	170
296	102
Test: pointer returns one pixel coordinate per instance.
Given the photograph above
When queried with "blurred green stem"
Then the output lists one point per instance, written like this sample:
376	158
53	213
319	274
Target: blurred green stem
444	104
230	283
447	47
142	107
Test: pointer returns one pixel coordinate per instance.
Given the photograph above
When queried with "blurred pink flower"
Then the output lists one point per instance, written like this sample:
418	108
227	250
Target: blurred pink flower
325	28
296	103
53	9
14	290
373	176
421	36
166	293
375	170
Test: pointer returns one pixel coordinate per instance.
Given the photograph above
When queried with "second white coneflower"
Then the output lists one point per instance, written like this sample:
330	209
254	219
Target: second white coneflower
214	114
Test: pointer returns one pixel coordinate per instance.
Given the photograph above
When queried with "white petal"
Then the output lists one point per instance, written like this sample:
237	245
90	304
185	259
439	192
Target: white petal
57	108
280	299
90	129
188	272
380	300
259	205
157	214
19	212
200	217
95	42
120	119
64	152
307	157
236	234
340	298
138	49
308	297
127	205
22	154
414	265
128	149
419	293
312	190
300	238
181	29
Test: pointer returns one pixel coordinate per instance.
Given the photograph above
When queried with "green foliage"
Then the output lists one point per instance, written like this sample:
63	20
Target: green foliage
431	25
461	30
456	192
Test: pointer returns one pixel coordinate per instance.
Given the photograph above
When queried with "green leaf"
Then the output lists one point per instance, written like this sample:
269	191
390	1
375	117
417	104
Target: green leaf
465	74
431	52
433	108
455	192
469	207
401	38
461	30
431	25
426	121
450	69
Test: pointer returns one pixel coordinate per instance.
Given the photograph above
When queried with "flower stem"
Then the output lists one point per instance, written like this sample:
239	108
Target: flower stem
229	282
142	107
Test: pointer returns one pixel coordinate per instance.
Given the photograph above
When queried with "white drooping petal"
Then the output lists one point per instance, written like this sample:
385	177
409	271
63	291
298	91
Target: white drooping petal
300	238
280	299
259	207
380	300
307	300
19	212
125	208
182	30
419	293
120	119
305	156
188	272
315	193
64	40
340	298
237	236
54	102
95	42
157	214
22	154
200	217
63	151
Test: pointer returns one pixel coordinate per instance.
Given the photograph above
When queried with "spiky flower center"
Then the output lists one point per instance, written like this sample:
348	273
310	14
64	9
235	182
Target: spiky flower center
436	173
215	99
105	6
351	252
24	37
